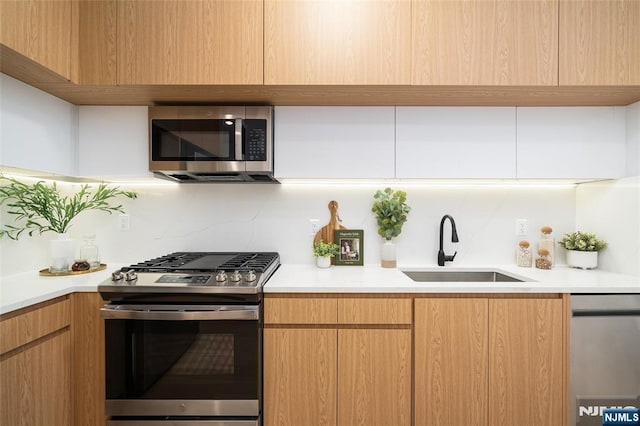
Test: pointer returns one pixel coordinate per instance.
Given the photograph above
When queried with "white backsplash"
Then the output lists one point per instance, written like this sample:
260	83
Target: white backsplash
275	217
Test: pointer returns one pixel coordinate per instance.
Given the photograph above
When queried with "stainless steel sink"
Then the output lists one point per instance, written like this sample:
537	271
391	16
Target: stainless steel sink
460	276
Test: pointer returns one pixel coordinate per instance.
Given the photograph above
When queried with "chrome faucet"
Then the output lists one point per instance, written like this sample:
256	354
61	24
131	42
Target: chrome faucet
454	239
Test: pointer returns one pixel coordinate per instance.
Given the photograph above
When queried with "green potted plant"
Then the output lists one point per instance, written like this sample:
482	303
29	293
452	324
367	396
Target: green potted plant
324	252
40	208
582	249
391	210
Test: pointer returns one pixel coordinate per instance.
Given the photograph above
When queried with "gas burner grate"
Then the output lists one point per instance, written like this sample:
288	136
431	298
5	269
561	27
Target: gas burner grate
256	261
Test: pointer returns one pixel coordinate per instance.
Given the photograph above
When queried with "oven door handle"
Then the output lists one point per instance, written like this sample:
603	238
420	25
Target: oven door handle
221	313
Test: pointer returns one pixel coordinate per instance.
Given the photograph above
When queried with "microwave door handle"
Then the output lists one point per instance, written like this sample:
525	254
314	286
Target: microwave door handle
250	313
238	140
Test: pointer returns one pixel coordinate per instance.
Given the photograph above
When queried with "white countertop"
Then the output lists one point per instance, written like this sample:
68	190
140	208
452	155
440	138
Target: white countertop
22	290
374	279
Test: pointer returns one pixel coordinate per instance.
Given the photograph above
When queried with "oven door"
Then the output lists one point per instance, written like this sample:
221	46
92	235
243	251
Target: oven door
168	360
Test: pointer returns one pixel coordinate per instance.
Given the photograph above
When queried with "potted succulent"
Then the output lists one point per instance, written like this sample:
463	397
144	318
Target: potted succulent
40	208
324	252
391	211
582	249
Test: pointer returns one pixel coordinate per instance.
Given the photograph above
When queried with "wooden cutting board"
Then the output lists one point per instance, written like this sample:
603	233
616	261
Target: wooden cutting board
326	233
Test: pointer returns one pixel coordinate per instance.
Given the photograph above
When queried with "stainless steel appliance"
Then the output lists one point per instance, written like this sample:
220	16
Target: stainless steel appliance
212	143
605	355
183	339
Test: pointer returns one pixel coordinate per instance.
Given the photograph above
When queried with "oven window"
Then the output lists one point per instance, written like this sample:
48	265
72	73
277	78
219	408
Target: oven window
182	359
193	140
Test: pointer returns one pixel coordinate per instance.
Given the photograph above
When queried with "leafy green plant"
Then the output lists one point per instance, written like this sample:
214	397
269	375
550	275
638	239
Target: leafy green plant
581	241
322	249
391	212
41	208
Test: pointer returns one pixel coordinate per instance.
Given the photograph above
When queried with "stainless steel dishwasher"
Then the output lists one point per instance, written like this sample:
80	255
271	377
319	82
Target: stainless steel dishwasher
605	355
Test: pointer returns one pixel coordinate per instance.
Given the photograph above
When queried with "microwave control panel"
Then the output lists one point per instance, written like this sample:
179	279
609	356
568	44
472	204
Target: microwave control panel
255	139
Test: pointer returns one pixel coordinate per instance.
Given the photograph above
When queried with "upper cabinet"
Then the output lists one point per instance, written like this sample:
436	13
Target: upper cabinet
39	30
599	42
97	42
485	42
337	42
190	42
334	142
455	142
572	142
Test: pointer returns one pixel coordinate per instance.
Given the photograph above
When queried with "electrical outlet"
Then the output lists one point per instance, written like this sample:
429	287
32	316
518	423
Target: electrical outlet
314	226
522	227
123	222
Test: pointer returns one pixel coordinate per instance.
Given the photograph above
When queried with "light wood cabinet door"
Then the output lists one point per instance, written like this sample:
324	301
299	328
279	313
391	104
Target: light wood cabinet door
337	41
88	368
451	362
97	42
374	377
488	42
526	362
599	42
35	383
40	30
300	377
190	42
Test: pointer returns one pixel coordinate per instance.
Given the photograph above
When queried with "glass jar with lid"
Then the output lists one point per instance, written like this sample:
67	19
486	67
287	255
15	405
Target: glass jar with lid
89	251
543	260
523	254
547	242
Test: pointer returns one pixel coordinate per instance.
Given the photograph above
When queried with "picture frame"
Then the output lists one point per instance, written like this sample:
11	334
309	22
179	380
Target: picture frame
351	242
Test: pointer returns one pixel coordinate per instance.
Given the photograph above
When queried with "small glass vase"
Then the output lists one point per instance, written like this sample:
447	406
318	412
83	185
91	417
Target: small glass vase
62	250
388	254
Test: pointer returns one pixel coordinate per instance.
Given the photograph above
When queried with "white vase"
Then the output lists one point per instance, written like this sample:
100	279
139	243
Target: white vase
388	254
582	259
62	250
323	261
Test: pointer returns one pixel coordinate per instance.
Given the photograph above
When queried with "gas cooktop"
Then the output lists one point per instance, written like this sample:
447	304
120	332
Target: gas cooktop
196	272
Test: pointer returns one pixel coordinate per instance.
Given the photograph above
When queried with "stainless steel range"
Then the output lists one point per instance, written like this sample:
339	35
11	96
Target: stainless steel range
183	339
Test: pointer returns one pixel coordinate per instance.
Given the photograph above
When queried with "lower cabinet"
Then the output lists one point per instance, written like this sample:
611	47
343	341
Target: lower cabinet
52	363
35	365
88	380
490	361
344	368
300	376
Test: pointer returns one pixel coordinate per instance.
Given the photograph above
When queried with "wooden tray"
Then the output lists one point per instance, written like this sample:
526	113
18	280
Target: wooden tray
45	272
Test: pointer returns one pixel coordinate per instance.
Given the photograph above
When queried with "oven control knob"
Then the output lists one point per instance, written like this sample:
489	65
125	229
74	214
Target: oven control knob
116	276
130	275
221	276
236	276
250	276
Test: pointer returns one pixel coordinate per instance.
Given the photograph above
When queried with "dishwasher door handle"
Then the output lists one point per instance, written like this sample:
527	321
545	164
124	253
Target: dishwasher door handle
606	313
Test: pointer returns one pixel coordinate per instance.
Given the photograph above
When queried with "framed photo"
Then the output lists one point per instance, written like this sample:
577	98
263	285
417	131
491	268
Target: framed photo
351	242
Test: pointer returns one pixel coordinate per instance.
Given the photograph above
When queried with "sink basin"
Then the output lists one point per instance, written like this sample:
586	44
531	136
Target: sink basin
459	276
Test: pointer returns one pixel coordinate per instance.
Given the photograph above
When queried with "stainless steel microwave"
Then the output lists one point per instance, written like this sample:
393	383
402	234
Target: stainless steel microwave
211	143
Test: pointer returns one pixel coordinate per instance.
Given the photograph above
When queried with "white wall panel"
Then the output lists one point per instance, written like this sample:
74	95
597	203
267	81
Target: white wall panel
571	142
37	131
455	142
334	142
114	141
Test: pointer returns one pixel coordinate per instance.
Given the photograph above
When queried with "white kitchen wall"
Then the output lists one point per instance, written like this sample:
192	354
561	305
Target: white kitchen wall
37	131
633	139
611	210
275	217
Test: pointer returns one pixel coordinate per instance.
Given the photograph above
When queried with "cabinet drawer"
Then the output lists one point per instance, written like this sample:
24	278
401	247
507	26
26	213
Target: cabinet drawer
374	311
300	311
21	328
